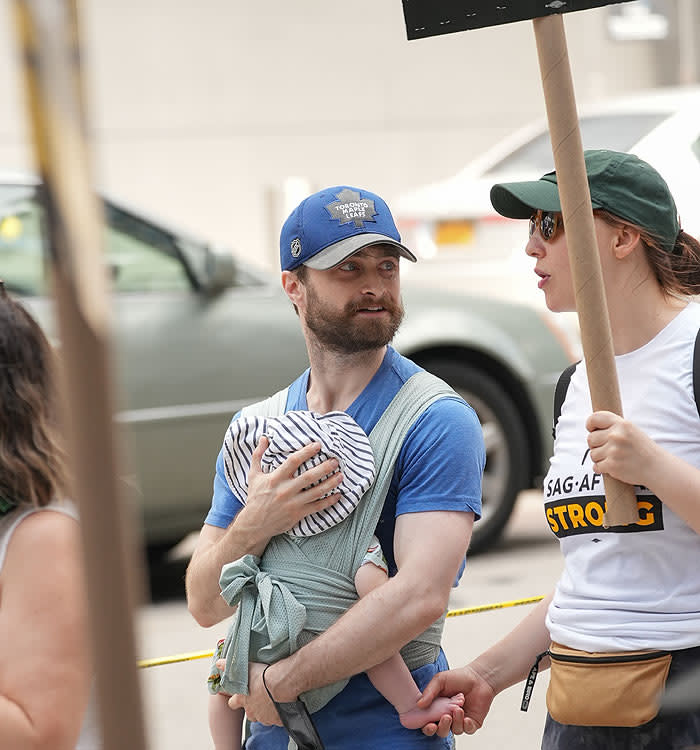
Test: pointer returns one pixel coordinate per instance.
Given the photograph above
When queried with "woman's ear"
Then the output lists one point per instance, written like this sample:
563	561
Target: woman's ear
627	238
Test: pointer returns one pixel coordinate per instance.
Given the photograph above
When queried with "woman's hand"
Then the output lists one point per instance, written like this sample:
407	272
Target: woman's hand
478	696
619	448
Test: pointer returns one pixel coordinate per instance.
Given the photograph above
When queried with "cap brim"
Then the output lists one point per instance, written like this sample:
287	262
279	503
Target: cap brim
517	200
337	252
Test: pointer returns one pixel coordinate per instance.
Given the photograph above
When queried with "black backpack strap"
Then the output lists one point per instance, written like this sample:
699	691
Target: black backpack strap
562	387
696	372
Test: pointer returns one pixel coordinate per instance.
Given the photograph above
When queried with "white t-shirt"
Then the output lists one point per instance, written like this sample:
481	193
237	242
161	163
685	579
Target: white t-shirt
89	734
635	586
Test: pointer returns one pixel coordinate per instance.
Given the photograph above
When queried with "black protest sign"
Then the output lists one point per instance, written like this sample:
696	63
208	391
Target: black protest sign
425	18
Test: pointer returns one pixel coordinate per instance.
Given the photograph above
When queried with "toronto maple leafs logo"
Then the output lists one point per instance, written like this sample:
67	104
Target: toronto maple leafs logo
351	208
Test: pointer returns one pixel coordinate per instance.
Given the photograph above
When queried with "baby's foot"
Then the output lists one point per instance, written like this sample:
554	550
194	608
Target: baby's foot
419	717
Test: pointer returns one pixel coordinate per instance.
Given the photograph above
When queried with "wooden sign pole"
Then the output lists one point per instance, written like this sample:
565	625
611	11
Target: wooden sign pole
426	18
591	304
48	36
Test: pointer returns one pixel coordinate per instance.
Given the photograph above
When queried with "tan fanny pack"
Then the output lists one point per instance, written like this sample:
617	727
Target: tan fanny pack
607	689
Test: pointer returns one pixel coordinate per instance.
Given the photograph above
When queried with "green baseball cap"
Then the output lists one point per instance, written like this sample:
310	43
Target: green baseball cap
620	183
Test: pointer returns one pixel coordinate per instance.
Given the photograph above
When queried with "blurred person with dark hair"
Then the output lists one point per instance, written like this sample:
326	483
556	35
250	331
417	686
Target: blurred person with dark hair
45	670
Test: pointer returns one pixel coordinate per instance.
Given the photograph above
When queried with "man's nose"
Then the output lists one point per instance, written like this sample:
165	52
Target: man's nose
372	283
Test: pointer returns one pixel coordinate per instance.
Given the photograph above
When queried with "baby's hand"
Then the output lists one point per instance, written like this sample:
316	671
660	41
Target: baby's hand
417	718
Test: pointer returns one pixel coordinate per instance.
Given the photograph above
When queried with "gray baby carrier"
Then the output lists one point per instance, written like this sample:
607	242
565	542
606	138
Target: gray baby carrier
302	585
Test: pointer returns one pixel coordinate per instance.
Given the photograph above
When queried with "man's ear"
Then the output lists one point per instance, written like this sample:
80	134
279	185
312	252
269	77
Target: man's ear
627	239
293	288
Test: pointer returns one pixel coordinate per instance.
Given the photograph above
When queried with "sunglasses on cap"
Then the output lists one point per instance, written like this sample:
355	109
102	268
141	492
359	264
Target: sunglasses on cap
549	223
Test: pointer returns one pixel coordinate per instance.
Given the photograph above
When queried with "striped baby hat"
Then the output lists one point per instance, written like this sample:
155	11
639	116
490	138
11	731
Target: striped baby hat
340	437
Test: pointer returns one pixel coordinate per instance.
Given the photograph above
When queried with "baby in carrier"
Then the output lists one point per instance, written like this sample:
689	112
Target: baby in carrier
342	438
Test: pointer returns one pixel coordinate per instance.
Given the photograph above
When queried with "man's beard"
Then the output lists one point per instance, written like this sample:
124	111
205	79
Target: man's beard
347	333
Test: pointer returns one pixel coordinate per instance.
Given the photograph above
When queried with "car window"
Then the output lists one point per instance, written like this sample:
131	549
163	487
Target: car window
618	132
141	256
21	247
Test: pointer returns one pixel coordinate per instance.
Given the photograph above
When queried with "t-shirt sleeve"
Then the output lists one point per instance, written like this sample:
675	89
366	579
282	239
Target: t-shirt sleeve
224	504
442	461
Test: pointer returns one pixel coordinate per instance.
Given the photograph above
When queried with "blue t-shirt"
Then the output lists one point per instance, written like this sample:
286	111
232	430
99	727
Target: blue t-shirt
439	467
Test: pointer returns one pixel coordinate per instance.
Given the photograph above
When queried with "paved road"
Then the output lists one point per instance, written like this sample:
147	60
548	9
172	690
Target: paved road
526	563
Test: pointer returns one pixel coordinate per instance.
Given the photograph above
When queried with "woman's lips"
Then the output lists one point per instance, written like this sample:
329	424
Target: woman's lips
543	278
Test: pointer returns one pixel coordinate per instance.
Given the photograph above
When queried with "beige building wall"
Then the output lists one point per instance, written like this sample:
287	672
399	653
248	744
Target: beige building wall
201	112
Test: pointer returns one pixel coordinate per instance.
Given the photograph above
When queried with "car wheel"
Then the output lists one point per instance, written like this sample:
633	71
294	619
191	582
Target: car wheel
505	473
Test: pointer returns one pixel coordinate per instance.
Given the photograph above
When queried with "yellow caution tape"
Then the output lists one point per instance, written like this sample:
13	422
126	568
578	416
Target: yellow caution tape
497	605
159	661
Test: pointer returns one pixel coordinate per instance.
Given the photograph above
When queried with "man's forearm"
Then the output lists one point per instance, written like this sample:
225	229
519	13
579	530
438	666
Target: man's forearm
376	627
380	623
391	615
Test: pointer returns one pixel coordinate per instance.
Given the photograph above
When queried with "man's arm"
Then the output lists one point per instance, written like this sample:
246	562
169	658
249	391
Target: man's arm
215	547
429	547
276	502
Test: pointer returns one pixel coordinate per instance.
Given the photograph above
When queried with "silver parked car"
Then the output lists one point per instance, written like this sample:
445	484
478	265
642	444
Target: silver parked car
198	334
454	216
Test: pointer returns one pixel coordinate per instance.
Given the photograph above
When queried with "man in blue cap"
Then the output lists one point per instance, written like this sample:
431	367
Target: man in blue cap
339	254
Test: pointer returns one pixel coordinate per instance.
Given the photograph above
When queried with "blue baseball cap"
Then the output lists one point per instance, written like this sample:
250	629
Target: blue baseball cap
333	224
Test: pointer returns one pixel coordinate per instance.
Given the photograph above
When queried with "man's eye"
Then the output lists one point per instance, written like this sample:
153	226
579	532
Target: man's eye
390	265
349	266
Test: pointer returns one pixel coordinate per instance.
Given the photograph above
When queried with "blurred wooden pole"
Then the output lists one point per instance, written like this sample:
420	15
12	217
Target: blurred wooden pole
49	41
591	302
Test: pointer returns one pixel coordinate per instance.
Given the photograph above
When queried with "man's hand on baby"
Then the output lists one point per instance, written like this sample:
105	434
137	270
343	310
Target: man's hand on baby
257	704
278	500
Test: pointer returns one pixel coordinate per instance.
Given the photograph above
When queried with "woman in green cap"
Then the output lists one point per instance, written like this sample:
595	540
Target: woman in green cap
624	617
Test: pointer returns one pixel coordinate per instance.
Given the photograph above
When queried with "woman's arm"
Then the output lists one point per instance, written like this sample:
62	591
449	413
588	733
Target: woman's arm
504	664
509	661
45	670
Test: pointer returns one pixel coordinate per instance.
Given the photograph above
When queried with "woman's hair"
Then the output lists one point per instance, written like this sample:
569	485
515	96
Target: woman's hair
677	272
32	469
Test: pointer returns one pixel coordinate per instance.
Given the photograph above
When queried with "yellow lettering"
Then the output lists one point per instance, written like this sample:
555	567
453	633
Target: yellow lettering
552	522
594	513
576	515
646	518
560	513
